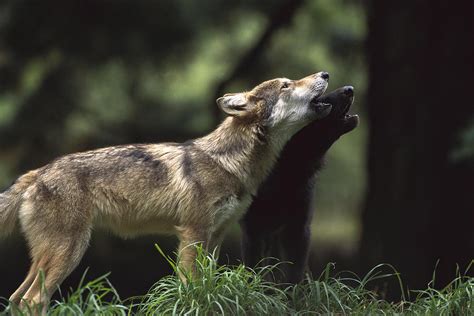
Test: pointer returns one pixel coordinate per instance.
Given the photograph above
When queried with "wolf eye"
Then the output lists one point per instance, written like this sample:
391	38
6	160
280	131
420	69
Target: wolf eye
285	85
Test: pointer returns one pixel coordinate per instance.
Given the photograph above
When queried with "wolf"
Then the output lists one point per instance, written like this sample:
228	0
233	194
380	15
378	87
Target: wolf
192	189
277	223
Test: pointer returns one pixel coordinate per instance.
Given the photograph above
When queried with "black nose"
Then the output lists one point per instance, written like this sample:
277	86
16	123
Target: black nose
325	75
349	91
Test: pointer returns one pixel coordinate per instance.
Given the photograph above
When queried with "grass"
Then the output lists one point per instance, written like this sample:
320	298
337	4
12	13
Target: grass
97	297
239	290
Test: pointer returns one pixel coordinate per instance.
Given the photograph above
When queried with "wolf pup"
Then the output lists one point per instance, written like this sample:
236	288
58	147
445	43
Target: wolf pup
193	189
277	223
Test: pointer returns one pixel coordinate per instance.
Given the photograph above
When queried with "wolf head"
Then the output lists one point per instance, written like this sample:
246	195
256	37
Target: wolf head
338	122
280	104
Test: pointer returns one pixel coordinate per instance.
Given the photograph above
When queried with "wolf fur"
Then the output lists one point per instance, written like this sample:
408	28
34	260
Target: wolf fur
278	221
192	189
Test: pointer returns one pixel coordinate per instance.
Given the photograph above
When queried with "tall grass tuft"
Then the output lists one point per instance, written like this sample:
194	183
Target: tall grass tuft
215	290
342	294
97	297
457	298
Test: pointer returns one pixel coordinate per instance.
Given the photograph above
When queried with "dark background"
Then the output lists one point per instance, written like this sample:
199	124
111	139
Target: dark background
77	75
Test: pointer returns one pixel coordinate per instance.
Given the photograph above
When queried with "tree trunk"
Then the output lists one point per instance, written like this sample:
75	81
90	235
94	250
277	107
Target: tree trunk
418	208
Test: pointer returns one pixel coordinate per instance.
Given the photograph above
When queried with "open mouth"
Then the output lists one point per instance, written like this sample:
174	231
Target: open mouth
318	103
340	99
339	118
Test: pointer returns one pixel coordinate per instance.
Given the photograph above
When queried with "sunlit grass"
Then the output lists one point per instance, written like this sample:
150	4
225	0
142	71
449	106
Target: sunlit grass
215	289
97	297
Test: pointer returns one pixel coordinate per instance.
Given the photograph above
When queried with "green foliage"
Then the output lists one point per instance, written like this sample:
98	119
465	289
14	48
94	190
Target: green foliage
215	289
457	298
344	293
97	297
239	290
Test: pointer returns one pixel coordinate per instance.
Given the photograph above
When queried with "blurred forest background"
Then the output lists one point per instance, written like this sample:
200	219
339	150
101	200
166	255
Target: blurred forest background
78	75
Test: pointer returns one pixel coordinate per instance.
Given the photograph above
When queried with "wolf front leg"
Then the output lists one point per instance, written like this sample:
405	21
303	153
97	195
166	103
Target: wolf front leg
253	246
190	238
295	241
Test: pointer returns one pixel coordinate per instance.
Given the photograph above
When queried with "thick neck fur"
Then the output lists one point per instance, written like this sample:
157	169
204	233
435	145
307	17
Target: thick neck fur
303	156
243	149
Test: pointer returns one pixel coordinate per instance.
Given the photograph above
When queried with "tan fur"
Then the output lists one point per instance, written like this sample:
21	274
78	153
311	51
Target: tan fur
193	190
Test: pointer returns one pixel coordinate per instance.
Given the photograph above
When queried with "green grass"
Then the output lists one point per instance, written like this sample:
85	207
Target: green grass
238	290
97	297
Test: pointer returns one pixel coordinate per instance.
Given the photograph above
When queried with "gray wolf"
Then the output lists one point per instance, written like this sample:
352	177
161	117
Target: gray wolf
192	189
277	223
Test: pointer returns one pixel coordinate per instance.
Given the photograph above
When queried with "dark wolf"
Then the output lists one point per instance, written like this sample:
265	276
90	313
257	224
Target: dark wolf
277	224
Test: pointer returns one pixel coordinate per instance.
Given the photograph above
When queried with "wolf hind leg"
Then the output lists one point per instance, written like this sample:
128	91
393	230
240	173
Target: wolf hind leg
56	258
18	294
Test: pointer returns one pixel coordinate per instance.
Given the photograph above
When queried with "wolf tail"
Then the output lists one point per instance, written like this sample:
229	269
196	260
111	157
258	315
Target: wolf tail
11	200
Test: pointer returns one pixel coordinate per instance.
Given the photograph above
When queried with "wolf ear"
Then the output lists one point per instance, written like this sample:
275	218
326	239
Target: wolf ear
234	104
